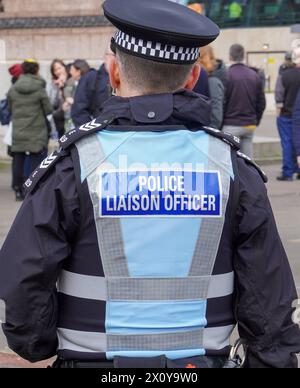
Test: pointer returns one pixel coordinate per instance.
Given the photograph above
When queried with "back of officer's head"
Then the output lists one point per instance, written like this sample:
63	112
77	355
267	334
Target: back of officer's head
132	75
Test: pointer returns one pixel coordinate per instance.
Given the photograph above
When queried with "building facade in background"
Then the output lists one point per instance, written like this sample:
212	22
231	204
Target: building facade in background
69	29
45	29
249	13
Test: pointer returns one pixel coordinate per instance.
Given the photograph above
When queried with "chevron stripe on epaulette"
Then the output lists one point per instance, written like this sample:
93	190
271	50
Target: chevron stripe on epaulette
73	136
43	168
252	163
226	137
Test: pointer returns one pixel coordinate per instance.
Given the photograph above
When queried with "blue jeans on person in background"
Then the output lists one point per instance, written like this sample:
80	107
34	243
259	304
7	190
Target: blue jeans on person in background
285	129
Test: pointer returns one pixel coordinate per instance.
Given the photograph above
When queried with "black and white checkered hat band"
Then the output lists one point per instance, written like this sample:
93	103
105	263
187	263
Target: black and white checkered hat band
158	51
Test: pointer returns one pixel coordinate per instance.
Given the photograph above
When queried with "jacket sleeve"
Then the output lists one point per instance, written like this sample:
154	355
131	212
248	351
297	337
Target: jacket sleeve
82	107
296	125
217	92
261	101
279	92
30	262
9	100
265	288
47	107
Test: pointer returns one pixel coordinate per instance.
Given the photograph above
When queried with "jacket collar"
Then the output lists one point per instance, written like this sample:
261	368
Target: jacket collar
180	108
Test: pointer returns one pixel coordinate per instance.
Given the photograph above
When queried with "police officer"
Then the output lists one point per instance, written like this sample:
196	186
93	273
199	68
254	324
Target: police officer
148	237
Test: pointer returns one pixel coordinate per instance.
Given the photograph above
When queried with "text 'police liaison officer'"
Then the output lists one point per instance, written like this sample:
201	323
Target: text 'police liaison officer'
160	287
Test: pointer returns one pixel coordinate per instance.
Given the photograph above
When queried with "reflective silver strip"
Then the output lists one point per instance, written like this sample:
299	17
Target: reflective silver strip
110	236
217	338
160	289
87	342
112	249
221	285
143	289
109	233
82	286
152	342
80	341
211	229
91	154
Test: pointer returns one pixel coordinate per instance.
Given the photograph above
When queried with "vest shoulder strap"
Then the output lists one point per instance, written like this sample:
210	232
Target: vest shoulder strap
226	137
65	142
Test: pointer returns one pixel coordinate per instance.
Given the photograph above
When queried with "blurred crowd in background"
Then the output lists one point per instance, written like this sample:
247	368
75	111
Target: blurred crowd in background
37	112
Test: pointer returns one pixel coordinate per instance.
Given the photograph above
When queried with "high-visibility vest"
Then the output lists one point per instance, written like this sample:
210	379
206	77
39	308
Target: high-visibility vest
158	203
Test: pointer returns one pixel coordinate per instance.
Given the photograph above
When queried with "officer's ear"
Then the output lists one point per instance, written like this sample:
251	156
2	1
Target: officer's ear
114	73
193	77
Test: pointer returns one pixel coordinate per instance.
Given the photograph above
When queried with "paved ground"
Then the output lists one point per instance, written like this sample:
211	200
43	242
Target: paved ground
267	128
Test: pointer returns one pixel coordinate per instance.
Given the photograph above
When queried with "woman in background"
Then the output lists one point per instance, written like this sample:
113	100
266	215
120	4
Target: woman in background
30	106
61	91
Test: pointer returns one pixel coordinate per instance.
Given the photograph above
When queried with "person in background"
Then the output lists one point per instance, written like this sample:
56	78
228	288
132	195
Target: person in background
262	75
287	88
92	91
15	71
198	7
29	105
235	10
56	93
69	95
245	100
221	72
296	133
216	76
202	86
288	63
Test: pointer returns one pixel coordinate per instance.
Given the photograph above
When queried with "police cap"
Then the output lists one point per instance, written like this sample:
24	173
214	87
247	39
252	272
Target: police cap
160	30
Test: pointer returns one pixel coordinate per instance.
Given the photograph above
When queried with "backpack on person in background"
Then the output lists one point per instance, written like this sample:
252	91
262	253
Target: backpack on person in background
5	115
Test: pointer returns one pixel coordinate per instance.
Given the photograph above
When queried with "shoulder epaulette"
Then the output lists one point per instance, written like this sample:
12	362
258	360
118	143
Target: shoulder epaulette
235	143
65	142
226	137
73	136
43	169
252	163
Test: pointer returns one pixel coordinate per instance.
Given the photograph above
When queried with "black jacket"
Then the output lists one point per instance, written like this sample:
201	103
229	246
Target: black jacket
50	224
287	87
92	91
245	100
296	125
